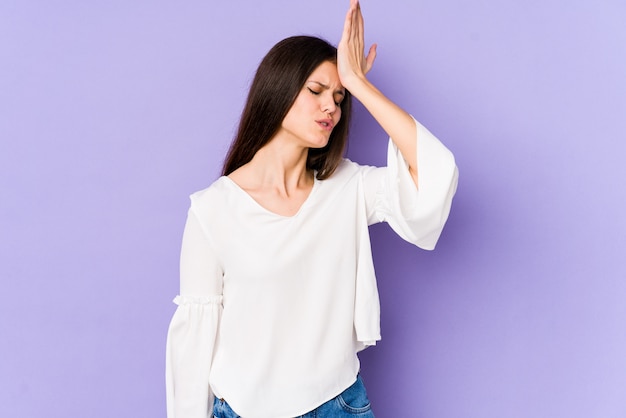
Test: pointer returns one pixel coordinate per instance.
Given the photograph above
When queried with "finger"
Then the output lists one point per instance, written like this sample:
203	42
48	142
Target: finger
357	33
360	21
371	57
355	22
360	28
346	24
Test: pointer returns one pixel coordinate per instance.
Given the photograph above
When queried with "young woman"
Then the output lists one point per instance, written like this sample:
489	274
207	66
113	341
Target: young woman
277	291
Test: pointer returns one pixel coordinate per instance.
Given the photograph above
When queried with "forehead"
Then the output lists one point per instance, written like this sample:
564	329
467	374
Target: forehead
326	74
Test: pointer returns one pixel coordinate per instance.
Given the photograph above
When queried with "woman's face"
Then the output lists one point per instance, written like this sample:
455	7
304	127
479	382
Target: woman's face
316	110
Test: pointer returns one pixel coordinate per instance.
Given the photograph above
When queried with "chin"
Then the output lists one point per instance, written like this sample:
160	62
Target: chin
319	146
319	143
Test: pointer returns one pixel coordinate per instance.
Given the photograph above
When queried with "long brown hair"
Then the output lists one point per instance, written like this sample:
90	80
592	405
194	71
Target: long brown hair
276	85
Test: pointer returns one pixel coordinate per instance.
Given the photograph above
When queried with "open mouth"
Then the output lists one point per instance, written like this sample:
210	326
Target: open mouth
326	124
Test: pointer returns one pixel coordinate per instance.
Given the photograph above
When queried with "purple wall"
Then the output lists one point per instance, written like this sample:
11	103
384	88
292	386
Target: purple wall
111	113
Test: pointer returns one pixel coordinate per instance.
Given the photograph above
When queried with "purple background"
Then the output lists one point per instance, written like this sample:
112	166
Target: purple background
113	112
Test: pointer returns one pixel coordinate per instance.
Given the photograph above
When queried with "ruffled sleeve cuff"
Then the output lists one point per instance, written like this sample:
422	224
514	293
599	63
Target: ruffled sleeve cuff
418	214
189	352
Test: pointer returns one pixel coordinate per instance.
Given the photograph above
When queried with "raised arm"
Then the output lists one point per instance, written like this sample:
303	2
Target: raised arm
353	65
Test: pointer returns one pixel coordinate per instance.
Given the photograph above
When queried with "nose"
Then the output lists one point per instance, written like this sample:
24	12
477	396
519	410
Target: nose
329	106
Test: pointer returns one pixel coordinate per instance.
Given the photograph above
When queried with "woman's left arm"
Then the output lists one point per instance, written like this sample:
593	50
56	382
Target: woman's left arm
352	66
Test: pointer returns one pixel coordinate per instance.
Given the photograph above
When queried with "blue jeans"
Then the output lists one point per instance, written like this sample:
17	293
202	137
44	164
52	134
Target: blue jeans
352	402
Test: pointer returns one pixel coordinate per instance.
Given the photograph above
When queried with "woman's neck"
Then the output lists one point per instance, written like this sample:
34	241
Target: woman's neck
279	165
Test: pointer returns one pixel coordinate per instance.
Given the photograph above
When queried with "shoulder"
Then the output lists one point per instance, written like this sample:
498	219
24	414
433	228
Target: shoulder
348	169
349	179
211	197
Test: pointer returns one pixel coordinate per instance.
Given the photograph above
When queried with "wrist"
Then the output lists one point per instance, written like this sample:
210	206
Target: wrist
358	85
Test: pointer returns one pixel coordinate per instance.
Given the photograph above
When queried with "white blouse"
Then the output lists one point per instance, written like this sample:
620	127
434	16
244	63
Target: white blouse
273	309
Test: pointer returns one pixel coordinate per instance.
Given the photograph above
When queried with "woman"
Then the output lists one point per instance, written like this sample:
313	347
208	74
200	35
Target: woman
278	292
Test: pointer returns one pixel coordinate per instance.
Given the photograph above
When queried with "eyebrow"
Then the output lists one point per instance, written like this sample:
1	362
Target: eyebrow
342	91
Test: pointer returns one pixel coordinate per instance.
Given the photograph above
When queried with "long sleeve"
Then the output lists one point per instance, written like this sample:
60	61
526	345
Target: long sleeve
417	214
193	329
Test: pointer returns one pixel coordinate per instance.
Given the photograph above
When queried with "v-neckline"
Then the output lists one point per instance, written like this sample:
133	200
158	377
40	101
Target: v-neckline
270	212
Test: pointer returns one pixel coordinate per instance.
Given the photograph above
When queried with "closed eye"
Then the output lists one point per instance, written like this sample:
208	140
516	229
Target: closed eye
317	93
